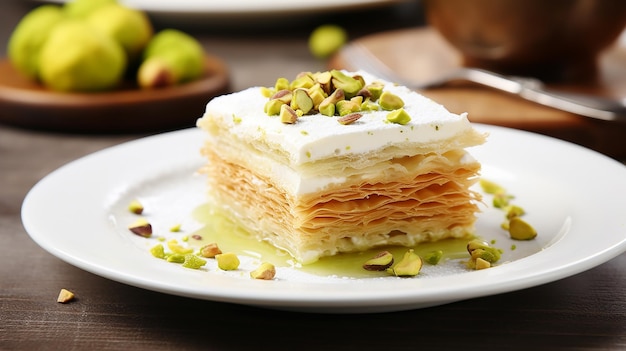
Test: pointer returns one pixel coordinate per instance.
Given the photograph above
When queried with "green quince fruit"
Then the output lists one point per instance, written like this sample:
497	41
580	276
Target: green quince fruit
129	27
77	57
29	36
171	57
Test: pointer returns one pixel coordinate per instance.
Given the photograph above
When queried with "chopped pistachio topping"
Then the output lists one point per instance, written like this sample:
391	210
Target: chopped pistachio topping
175	247
192	261
210	250
65	296
141	227
409	266
390	102
227	261
490	187
521	230
330	93
380	262
518	228
287	114
135	207
399	116
158	251
266	271
482	255
433	257
175	258
349	119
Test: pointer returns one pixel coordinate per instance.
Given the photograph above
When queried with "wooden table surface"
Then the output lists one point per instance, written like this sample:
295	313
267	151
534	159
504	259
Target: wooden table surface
583	312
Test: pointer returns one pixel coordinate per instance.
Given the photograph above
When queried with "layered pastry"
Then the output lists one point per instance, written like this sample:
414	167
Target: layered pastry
383	166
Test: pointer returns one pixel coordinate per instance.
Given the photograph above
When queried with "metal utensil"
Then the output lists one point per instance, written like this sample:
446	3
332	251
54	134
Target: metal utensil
527	88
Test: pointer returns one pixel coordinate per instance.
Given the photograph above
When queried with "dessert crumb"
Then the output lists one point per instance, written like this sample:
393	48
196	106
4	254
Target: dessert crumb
65	296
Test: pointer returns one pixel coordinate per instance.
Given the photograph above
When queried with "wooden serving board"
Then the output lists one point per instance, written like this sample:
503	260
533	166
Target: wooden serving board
126	109
421	52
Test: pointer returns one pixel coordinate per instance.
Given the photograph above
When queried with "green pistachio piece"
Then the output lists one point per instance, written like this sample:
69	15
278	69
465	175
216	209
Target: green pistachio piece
281	84
481	264
327	106
301	101
284	95
287	114
141	227
389	101
175	258
372	91
514	211
175	247
490	187
265	271
357	99
481	249
380	262
399	116
488	255
304	81
227	261
324	80
192	261
267	92
369	105
317	94
346	107
158	251
501	200
135	207
433	257
210	250
349	85
521	230
360	79
409	266
272	107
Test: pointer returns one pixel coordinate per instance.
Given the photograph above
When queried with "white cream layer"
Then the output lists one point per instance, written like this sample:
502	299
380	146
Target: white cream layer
316	137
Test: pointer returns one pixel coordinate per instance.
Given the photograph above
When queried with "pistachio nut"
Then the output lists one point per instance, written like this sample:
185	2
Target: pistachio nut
399	116
227	261
301	101
266	271
141	227
135	207
521	230
210	250
380	262
350	118
192	261
287	114
348	84
409	266
433	257
389	101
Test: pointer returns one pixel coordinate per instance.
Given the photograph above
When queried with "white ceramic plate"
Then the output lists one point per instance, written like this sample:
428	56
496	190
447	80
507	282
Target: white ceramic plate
257	8
573	196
